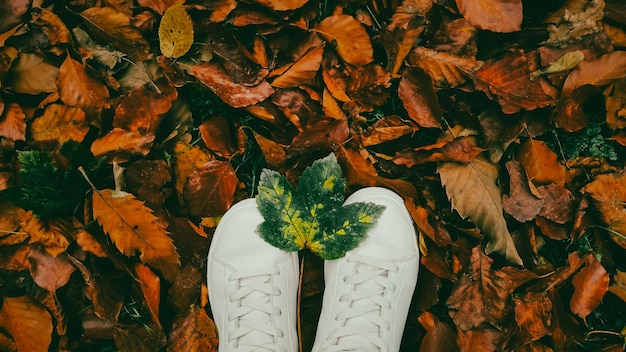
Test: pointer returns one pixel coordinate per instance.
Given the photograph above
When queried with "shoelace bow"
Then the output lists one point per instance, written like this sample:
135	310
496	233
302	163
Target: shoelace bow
253	316
362	323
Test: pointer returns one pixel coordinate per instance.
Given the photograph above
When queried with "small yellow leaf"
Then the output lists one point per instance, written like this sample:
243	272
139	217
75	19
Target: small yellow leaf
175	32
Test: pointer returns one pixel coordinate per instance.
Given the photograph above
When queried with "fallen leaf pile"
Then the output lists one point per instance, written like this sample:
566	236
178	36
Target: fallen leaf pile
128	128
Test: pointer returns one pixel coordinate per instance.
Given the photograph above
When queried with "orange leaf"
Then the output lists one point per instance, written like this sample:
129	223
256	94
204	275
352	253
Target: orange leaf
507	80
48	272
234	94
77	88
419	98
28	322
53	235
122	144
135	230
188	159
142	110
439	336
60	123
89	244
493	15
150	285
349	38
598	72
462	149
111	26
590	285
12	122
14	257
210	189
446	70
616	105
302	71
387	129
159	6
479	340
194	331
52	26
608	192
357	170
273	152
540	163
618	287
215	133
533	314
283	5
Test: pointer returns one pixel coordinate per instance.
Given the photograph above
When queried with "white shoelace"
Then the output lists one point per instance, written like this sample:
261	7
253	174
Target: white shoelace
254	316
361	324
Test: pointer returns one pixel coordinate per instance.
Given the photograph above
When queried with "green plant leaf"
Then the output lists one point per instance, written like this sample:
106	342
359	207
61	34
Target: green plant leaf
313	216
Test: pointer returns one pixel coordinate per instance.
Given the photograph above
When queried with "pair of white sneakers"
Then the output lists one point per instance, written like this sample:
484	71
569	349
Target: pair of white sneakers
253	286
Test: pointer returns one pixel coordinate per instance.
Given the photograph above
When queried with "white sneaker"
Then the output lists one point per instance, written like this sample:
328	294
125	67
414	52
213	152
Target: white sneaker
252	286
368	292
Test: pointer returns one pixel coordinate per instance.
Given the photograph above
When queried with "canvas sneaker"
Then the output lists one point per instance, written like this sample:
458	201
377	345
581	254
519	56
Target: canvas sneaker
368	292
252	285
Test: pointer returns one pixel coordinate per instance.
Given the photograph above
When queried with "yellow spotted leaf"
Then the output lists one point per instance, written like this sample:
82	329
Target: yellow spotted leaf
175	32
135	230
472	190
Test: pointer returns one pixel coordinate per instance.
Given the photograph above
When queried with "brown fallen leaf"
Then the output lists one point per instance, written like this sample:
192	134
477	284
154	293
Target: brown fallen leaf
78	89
590	285
419	98
143	109
446	70
608	192
301	71
12	13
29	324
52	26
53	235
493	15
559	204
462	150
194	331
387	129
348	37
541	163
150	285
274	153
135	230
480	340
210	189
30	73
233	94
121	144
618	287
439	336
472	190
58	124
507	81
598	72
111	26
520	203
216	135
615	101
48	272
188	159
12	122
533	314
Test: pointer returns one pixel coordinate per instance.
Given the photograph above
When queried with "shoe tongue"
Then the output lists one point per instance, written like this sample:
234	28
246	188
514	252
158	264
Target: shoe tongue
257	337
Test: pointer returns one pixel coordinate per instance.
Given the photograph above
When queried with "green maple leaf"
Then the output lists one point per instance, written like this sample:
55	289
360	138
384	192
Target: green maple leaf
313	216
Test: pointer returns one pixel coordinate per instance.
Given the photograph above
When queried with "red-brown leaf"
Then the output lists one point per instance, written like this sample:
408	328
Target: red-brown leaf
28	322
419	99
590	285
233	94
541	163
215	133
48	272
439	336
194	331
349	37
598	72
493	15
210	189
12	122
533	314
520	203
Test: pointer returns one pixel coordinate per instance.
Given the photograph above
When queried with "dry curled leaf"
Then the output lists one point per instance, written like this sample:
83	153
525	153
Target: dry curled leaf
348	37
472	190
598	72
135	230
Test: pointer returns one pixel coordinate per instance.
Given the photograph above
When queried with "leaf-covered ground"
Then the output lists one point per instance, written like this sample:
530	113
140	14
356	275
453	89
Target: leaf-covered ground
127	130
